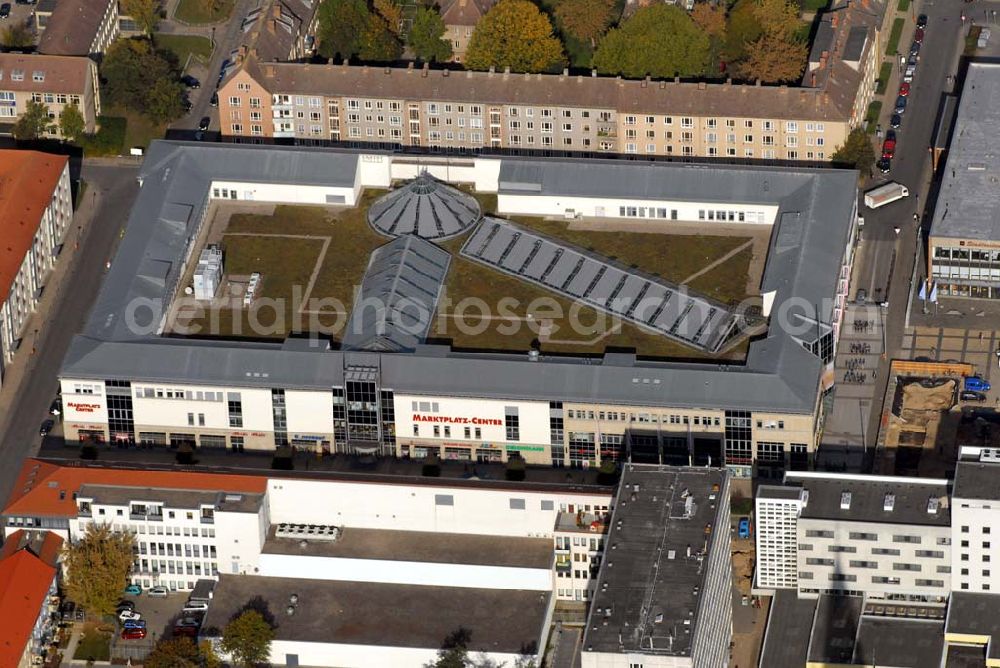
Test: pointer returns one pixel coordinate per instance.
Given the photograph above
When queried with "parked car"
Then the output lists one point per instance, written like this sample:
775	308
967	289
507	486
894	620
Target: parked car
909	73
4	10
124	605
190	81
127	615
158	592
890	135
900	105
46	427
976	384
134	624
922	21
914	59
972	396
895	121
55	408
133	590
884	164
215	99
743	530
889	145
204	123
195	606
918	35
904	89
133	634
914	48
186	631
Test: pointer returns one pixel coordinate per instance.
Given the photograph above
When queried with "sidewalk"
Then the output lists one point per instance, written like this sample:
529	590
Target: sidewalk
25	358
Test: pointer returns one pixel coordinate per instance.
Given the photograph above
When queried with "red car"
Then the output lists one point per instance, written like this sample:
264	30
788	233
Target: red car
133	634
918	35
889	148
904	89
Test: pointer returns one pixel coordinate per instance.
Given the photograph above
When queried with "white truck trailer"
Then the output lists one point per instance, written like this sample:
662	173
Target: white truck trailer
885	194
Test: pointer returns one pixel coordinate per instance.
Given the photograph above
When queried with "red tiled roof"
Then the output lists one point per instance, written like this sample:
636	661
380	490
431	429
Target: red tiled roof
46	547
24	582
27	181
44	489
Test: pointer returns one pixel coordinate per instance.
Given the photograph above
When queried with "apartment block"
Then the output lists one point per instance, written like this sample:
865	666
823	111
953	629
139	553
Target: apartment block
281	30
36	207
460	18
77	27
580	541
884	538
975	513
476	111
29	577
55	81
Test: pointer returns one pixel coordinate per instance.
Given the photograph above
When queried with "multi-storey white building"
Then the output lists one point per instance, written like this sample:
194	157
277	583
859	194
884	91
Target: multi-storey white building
580	542
36	207
975	512
883	537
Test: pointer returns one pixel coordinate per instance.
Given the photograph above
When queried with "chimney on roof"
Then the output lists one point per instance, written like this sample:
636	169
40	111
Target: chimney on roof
506	73
387	70
271	26
565	72
619	79
426	69
445	72
347	62
276	10
409	67
702	85
729	81
329	61
677	80
645	82
757	83
493	70
593	73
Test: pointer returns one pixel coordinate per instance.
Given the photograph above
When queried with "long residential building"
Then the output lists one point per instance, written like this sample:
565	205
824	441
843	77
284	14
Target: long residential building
55	81
470	112
36	207
124	382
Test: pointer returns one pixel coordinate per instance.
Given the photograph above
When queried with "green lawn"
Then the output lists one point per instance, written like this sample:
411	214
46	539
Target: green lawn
185	46
813	5
884	74
871	118
972	40
903	5
195	12
897	31
93	645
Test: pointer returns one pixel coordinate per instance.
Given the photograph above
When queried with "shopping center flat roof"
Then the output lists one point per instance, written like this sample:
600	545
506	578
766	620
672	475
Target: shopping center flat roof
802	269
422	546
967	206
367	613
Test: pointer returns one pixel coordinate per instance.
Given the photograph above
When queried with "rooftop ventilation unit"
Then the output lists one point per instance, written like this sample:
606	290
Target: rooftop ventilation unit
805	498
889	503
933	504
845	500
310	531
989	455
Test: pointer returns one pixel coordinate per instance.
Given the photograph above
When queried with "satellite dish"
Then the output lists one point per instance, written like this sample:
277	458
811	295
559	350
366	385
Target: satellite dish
189	290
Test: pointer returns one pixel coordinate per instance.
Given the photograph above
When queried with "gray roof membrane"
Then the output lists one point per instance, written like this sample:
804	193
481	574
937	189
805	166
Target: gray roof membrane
425	207
399	292
578	275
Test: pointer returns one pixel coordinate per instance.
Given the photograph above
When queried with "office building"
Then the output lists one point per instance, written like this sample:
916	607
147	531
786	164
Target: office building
963	248
55	81
36	208
663	596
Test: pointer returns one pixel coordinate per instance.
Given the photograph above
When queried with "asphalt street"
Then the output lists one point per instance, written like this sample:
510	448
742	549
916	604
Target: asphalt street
111	189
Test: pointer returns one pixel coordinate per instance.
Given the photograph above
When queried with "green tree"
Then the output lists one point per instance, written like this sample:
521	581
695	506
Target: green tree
174	653
585	19
378	42
711	18
856	152
34	122
454	652
742	28
71	123
247	639
659	40
777	17
17	36
165	101
392	12
97	567
426	37
145	13
514	34
342	23
137	77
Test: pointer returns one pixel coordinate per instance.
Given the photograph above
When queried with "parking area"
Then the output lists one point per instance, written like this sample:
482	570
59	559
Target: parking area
160	615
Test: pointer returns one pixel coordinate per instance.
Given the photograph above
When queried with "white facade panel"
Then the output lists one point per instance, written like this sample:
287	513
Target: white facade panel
84	402
451	171
460	415
405	572
309	413
608	207
239	538
364	656
374	171
488	174
421	508
258	411
286	193
972	523
612	660
179	412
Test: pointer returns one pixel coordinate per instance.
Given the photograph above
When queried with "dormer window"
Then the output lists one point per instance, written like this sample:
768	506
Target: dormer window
38	76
